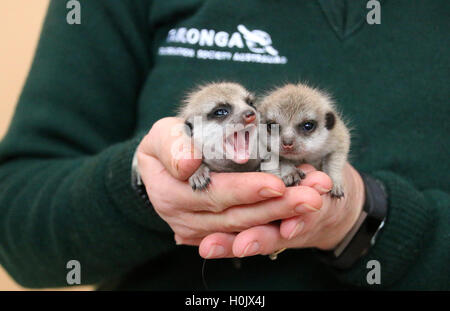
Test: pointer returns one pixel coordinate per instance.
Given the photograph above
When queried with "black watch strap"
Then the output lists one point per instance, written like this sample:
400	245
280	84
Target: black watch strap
364	233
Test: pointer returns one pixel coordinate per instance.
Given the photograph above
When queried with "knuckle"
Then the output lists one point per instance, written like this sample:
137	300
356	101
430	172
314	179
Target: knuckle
235	221
158	125
243	225
214	203
209	205
229	223
162	202
161	209
248	222
187	232
164	209
214	208
157	129
140	158
166	215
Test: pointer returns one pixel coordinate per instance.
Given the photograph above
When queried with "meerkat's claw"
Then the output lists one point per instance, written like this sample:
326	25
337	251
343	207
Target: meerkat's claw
301	173
337	192
200	179
293	177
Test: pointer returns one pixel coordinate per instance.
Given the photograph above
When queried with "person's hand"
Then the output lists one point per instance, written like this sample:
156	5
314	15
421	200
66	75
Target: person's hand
323	229
234	201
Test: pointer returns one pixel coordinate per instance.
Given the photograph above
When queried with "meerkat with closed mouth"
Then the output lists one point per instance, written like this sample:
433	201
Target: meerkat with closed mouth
311	131
228	122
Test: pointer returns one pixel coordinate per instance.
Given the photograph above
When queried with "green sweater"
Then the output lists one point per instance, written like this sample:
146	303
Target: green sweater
95	88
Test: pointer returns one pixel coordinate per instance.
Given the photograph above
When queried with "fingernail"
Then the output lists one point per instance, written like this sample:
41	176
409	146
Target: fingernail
269	193
298	228
251	249
305	208
321	189
216	251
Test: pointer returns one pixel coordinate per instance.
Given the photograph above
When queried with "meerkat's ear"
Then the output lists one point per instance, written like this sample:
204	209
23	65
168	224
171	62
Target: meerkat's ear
250	100
330	120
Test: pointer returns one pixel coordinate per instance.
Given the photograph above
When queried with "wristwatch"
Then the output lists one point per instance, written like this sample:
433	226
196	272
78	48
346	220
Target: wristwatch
364	233
136	181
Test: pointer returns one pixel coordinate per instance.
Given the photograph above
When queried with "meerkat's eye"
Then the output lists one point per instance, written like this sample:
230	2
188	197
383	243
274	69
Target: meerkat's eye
221	112
308	126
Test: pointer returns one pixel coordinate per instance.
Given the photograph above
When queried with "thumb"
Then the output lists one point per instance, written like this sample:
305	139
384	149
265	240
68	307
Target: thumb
167	142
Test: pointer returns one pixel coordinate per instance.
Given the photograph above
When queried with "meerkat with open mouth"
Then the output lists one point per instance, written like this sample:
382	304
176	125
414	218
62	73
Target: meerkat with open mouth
222	119
311	131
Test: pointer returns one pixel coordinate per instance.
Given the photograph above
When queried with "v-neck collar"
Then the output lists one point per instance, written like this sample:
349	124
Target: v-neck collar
345	16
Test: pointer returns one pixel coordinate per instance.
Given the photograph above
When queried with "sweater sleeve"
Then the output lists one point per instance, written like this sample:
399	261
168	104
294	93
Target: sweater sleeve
413	247
65	163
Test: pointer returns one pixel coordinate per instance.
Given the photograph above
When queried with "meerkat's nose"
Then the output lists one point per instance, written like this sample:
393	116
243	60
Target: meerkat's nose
249	116
287	144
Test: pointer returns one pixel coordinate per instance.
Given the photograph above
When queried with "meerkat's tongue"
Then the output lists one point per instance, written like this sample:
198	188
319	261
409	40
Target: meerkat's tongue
240	144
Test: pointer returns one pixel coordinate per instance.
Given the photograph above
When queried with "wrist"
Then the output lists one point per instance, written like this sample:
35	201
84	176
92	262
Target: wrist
363	234
351	205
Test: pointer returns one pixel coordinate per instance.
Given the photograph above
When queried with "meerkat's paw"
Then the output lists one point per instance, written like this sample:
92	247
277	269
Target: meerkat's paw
200	179
293	176
337	191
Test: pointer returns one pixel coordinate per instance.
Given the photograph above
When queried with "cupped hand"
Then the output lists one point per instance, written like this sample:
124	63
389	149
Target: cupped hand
234	202
324	228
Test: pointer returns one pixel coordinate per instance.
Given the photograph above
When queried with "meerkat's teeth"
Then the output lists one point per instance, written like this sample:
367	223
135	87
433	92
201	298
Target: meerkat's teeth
222	106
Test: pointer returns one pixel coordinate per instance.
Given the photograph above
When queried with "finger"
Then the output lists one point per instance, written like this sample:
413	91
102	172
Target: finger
184	241
168	142
307	168
226	189
304	226
259	240
217	245
293	227
296	201
159	182
230	189
319	181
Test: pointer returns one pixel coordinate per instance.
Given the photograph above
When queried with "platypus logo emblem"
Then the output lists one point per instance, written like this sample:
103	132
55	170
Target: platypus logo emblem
258	41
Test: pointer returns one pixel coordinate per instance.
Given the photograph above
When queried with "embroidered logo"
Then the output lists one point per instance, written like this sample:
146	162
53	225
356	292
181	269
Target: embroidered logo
204	43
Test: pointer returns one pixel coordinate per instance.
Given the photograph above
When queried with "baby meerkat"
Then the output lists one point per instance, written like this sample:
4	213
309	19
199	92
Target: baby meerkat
222	119
311	131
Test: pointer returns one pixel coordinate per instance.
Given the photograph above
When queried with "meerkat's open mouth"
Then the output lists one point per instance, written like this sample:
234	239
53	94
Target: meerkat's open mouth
238	145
